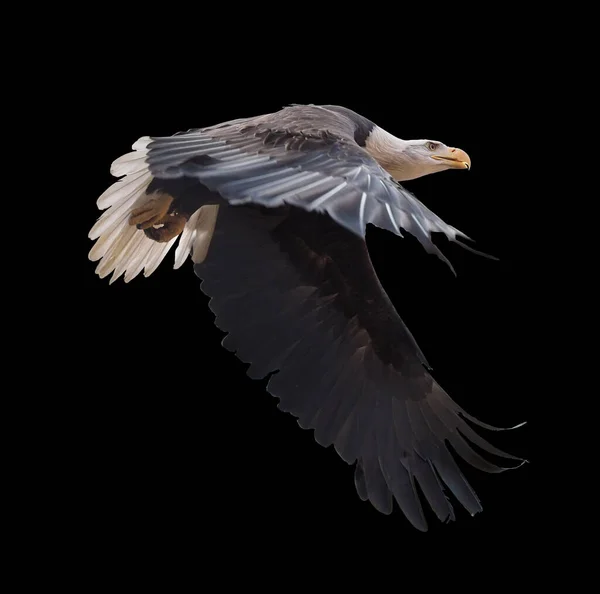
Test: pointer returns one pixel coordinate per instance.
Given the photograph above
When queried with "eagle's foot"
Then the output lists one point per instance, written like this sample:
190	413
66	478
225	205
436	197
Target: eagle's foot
151	212
154	218
168	227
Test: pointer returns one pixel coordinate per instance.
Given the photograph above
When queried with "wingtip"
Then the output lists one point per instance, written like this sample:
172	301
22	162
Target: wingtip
522	462
443	258
474	251
421	526
460	233
518	426
476	421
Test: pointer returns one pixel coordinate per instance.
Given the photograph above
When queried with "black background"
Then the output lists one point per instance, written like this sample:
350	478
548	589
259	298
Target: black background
183	452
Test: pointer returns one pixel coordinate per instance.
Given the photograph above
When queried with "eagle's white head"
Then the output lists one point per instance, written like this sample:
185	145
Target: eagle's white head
409	159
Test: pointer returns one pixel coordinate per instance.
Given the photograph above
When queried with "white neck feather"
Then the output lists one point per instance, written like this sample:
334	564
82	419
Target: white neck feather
390	152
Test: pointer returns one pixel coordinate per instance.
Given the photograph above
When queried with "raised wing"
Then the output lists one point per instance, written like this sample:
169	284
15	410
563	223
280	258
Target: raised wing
298	295
285	158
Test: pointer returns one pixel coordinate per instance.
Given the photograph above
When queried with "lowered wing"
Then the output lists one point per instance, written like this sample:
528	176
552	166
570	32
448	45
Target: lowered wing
297	295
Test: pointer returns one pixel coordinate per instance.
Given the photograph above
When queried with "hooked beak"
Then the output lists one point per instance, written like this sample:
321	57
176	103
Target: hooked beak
454	157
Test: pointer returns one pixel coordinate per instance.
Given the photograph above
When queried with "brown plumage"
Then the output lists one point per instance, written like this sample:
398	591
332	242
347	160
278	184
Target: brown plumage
273	211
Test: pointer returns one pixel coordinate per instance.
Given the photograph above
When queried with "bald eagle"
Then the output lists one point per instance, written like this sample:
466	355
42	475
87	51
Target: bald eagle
272	210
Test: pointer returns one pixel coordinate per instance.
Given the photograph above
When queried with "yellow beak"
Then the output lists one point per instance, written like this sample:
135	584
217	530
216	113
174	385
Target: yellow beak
455	157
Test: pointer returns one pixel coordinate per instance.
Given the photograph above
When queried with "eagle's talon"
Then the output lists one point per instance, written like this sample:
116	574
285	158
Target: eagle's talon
151	212
170	226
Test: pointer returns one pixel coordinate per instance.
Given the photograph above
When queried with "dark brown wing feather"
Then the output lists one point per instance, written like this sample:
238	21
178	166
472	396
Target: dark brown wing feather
297	295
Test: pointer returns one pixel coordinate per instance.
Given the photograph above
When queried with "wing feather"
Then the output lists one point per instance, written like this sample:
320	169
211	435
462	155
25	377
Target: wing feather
341	359
295	190
305	157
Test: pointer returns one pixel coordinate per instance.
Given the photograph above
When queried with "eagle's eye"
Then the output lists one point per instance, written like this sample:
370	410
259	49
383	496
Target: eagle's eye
432	145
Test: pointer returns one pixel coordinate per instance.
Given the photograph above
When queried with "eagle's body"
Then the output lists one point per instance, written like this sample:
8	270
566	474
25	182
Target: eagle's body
273	211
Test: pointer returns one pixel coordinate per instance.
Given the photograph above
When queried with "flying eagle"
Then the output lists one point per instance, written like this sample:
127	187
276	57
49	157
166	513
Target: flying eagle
272	211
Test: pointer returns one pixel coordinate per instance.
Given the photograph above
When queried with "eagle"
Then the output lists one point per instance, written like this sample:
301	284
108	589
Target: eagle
272	210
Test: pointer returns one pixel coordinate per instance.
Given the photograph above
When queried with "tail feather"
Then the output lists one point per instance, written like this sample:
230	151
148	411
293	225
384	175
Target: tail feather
186	240
128	256
158	256
132	162
111	259
121	248
121	190
196	237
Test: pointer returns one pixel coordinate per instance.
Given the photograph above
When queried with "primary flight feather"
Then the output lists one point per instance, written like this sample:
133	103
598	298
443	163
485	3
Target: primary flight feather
272	211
